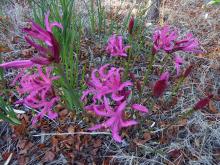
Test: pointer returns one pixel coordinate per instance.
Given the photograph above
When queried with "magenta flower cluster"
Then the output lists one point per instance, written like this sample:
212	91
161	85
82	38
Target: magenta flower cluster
166	39
109	99
107	96
36	88
115	46
38	92
46	54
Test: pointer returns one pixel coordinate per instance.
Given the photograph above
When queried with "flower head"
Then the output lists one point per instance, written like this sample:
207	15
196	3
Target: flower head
115	46
46	55
188	44
49	53
106	87
115	119
106	81
178	61
161	84
166	39
38	91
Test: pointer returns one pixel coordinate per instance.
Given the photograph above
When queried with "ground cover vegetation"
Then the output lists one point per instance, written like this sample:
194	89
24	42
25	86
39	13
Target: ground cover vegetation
82	83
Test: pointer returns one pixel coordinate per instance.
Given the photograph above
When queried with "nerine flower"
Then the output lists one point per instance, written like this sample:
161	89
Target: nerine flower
178	61
46	55
161	84
115	117
106	81
106	85
38	91
115	46
188	44
166	39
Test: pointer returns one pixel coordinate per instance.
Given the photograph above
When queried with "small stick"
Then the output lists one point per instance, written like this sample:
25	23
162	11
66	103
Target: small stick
73	133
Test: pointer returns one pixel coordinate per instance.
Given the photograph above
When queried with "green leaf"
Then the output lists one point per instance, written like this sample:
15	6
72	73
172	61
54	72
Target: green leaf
8	113
214	2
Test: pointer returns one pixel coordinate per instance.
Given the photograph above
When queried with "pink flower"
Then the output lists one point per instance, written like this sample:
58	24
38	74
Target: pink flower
38	91
46	109
48	54
106	85
115	46
161	84
189	44
51	52
115	121
178	61
166	39
105	82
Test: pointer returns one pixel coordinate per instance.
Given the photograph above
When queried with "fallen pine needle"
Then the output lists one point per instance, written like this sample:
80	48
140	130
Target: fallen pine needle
73	133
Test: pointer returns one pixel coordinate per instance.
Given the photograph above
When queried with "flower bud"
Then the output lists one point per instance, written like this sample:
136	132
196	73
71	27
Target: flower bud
203	102
131	25
188	71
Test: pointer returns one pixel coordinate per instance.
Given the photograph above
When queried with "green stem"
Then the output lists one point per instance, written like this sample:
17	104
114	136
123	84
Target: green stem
149	69
73	94
177	87
128	61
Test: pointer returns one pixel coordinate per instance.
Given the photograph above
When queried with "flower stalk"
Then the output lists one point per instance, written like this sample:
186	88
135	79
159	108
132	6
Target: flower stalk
149	70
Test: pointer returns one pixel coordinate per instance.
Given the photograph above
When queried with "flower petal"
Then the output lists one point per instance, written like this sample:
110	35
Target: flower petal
128	123
140	108
17	64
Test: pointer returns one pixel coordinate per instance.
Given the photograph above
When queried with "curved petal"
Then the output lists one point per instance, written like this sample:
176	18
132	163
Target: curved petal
107	106
121	107
36	46
140	108
95	80
17	64
52	115
101	113
102	70
125	84
46	21
40	60
115	97
57	25
128	123
115	133
85	93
